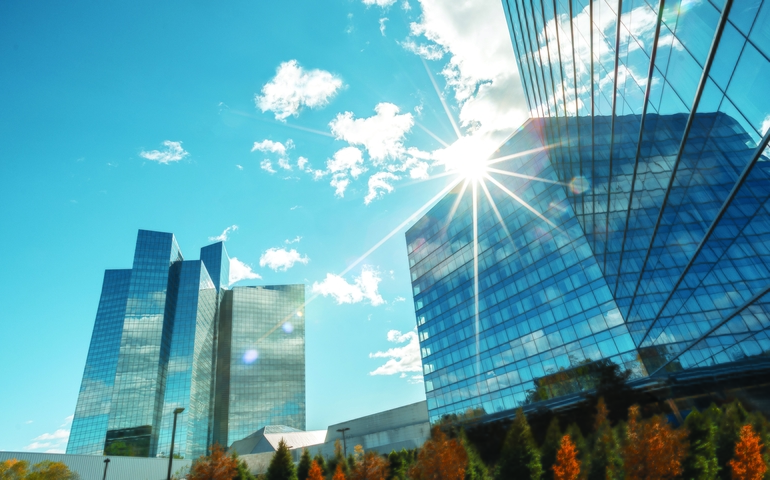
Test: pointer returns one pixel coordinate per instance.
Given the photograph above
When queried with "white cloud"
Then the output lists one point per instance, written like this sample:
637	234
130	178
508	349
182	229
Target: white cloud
405	6
382	25
55	441
284	163
382	134
294	240
225	235
239	167
340	184
271	146
485	80
364	287
401	360
173	152
240	271
281	259
267	166
399	299
347	160
379	184
426	51
379	3
302	163
294	87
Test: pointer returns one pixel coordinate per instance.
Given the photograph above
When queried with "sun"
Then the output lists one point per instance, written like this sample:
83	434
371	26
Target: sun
470	168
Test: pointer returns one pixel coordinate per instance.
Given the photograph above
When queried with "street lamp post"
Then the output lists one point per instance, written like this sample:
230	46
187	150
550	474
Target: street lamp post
173	433
106	464
344	443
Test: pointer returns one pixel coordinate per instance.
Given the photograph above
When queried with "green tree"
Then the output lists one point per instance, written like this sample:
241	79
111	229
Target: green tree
281	466
476	470
701	460
605	460
732	418
242	471
581	445
338	460
321	461
550	447
303	469
399	463
48	470
520	457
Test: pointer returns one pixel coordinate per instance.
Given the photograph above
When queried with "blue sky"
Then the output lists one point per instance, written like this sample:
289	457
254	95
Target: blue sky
303	132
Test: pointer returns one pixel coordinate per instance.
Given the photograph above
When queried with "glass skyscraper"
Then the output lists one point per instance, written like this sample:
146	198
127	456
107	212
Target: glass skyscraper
642	241
168	334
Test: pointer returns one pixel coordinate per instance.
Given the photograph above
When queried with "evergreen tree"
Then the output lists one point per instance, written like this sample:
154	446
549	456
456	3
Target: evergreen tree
338	460
397	466
606	462
519	457
732	418
550	447
581	445
303	469
476	470
321	461
242	471
701	461
281	466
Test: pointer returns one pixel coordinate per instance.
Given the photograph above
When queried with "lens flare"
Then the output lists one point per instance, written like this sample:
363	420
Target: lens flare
287	327
579	185
250	356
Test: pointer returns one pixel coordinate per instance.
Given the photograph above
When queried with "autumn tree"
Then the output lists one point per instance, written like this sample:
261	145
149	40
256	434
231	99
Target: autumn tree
567	466
321	461
338	473
577	438
217	465
13	469
748	464
303	469
440	458
369	466
606	462
281	466
654	450
315	472
701	461
519	457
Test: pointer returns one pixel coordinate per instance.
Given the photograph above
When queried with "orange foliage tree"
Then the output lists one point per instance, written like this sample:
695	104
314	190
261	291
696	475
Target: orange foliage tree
370	467
440	458
653	451
748	463
567	466
339	474
217	466
315	472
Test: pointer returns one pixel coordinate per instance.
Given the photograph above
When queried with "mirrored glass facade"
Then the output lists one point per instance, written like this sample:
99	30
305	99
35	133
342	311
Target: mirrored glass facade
651	250
155	348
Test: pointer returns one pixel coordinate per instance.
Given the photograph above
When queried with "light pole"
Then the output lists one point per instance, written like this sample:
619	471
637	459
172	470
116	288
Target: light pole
106	464
344	443
173	433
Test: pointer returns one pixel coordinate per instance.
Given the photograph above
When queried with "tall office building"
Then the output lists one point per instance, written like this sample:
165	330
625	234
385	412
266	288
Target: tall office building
168	334
642	242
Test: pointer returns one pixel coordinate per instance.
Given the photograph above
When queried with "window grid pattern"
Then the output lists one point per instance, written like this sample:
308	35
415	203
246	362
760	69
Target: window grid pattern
266	361
89	424
544	306
679	246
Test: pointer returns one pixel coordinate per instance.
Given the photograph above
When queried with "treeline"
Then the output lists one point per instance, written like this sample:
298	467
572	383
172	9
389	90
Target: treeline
14	469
